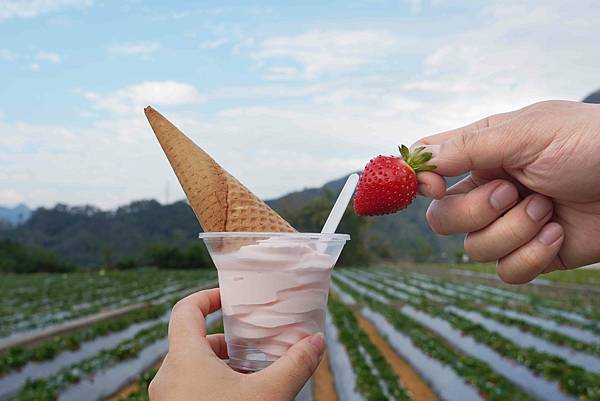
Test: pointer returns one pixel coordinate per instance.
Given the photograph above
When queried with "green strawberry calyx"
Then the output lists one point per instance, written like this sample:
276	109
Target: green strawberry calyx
415	159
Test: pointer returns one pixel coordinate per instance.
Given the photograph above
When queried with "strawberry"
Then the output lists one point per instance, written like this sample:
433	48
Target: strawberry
389	183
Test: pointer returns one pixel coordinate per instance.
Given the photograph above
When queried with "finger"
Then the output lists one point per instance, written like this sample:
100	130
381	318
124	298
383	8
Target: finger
286	376
431	185
467	148
486	122
488	148
187	325
471	211
218	345
527	262
511	231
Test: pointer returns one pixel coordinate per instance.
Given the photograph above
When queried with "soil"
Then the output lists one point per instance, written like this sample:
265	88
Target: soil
130	388
411	380
323	385
125	391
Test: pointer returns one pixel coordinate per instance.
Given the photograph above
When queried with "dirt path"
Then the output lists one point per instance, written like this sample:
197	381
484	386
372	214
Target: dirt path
411	380
130	388
323	385
125	391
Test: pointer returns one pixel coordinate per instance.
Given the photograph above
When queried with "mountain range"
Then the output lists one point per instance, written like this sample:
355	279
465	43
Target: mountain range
86	235
15	215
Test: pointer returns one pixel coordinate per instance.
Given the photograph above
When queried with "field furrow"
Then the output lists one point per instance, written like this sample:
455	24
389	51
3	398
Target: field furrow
480	375
405	333
583	351
573	379
339	361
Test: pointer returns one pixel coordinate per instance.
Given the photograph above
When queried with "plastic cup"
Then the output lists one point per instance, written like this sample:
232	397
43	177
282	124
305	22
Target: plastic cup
274	289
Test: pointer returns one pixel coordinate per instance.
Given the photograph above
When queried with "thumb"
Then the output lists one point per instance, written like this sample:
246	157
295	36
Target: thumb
288	374
492	142
474	150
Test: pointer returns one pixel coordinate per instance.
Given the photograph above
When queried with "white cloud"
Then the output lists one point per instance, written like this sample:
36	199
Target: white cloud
266	92
282	73
10	197
34	67
179	14
7	55
161	15
135	48
320	52
214	44
21	137
279	137
133	98
119	159
45	164
277	149
33	8
50	57
399	104
130	129
416	6
517	54
442	86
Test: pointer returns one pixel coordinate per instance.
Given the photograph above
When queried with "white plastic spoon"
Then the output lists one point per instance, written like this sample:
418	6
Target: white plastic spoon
336	214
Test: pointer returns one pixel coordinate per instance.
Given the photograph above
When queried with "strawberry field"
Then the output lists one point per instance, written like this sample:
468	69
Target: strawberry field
393	334
85	336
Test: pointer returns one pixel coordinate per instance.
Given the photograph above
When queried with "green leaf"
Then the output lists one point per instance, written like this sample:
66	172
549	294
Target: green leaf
405	152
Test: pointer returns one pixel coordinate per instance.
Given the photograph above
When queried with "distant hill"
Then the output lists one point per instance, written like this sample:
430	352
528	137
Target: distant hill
298	199
592	97
406	234
86	235
15	215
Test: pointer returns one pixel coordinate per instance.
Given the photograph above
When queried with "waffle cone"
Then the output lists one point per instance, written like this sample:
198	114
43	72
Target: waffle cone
220	202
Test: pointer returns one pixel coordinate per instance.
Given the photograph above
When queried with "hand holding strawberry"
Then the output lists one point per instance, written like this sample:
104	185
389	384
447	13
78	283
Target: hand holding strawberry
389	183
531	200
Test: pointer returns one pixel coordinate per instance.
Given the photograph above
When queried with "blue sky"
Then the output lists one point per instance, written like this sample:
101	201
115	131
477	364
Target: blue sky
284	96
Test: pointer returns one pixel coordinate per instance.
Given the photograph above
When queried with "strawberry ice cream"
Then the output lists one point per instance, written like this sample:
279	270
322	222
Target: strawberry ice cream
273	291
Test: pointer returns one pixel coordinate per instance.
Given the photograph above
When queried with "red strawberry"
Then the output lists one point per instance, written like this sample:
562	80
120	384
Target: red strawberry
389	183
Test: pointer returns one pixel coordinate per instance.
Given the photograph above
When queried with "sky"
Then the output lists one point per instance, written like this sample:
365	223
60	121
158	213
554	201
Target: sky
284	95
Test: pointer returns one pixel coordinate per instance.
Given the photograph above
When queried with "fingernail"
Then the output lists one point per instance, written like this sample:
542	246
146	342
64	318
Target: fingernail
318	341
550	234
503	196
433	149
538	208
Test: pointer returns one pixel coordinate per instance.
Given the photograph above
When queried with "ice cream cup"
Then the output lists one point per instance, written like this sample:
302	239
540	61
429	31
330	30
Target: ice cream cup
274	289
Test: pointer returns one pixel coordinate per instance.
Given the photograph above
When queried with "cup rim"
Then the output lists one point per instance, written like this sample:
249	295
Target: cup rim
286	235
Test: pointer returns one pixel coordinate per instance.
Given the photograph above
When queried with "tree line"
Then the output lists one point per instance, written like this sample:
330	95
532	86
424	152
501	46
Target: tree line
363	249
